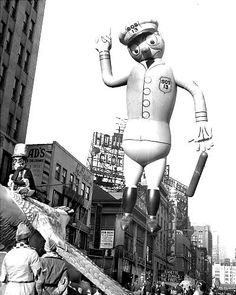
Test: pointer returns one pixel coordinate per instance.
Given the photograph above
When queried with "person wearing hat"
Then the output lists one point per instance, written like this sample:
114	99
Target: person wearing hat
151	95
53	279
21	265
21	181
201	288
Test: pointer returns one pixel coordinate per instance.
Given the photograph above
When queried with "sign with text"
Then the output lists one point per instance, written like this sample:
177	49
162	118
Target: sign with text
39	157
107	239
106	158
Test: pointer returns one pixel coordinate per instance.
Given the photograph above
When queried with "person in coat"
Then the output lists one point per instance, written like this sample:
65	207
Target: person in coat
53	279
21	266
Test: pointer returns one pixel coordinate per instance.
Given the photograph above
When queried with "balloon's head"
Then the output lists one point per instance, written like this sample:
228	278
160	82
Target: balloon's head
143	40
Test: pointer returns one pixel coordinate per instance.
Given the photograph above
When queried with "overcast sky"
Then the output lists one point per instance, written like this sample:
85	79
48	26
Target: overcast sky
70	101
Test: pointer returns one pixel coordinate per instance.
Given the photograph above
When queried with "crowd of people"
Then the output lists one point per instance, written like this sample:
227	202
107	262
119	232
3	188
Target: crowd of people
140	287
25	273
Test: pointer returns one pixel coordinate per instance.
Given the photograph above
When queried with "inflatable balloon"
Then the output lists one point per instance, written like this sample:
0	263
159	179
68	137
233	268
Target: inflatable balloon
151	95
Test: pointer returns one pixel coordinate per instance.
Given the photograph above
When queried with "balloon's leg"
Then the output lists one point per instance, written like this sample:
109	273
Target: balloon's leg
153	202
128	202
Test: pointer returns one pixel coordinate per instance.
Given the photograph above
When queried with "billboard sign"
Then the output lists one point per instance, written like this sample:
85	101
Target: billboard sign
106	158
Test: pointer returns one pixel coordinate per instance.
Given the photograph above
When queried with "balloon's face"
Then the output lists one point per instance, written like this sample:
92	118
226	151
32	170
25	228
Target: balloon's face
147	46
18	162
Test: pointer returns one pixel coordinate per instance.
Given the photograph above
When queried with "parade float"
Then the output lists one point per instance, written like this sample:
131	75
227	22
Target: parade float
47	222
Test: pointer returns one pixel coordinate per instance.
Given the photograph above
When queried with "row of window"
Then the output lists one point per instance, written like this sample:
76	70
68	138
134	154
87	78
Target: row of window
7	39
73	183
11	5
13	126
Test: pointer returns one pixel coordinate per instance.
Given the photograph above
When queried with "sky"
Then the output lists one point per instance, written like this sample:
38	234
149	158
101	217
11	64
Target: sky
70	101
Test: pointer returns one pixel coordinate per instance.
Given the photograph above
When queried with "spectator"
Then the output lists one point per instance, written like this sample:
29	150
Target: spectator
153	288
21	265
179	289
148	287
136	286
84	287
158	288
163	289
53	279
200	288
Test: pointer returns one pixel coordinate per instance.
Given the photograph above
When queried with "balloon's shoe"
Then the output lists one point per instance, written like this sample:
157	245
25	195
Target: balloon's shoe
152	223
125	220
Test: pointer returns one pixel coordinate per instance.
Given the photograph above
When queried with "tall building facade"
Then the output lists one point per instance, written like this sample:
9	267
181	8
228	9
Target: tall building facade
135	251
65	181
20	27
225	273
202	238
215	248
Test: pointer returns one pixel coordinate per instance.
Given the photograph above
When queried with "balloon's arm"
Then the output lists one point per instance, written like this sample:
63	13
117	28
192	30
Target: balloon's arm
203	133
198	97
103	46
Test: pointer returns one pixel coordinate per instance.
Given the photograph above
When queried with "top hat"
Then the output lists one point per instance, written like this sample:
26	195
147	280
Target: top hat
20	150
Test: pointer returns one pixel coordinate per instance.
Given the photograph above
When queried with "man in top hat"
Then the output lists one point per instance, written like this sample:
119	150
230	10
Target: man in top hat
21	265
21	181
151	95
53	279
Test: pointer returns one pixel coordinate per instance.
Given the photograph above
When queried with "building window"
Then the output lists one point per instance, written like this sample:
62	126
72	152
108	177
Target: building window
36	2
6	167
10	123
57	199
16	133
8	41
14	9
31	30
77	185
83	240
25	24
7	5
21	95
58	171
82	191
26	63
3	76
87	192
71	235
64	175
20	54
15	88
83	215
2	30
71	181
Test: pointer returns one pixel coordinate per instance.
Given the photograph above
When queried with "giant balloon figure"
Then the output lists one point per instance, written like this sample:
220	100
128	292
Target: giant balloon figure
151	96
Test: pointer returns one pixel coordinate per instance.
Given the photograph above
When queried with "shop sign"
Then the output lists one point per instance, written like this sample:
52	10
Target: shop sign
107	239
